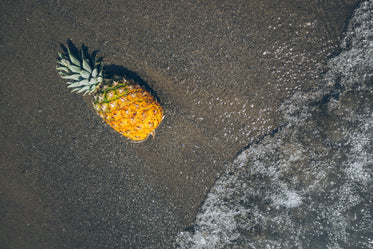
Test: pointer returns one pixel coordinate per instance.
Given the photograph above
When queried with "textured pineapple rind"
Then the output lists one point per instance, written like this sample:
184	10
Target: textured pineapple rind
111	85
128	108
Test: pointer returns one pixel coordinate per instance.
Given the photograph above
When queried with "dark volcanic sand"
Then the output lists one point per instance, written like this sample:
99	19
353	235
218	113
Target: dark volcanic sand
220	70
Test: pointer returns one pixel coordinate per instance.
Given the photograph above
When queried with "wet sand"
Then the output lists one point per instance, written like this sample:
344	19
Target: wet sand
220	71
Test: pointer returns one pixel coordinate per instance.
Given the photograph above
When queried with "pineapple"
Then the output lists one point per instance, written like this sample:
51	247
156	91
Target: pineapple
125	105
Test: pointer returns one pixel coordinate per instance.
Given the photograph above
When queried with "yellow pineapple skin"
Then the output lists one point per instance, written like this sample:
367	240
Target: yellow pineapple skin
128	108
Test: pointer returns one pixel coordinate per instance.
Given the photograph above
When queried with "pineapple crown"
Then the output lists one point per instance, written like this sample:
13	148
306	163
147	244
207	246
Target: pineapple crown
84	75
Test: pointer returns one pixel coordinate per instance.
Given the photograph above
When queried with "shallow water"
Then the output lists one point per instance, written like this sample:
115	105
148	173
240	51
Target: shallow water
309	184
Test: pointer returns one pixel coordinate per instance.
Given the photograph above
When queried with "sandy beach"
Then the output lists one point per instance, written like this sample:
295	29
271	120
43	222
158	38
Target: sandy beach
220	71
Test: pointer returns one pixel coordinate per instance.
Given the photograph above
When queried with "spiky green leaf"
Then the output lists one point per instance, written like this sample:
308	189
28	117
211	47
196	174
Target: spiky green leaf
64	62
94	73
78	84
71	77
85	88
86	66
62	56
64	69
73	59
85	63
85	74
74	69
93	81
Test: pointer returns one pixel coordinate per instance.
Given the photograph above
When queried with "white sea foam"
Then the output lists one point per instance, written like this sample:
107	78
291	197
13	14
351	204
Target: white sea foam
309	185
